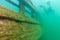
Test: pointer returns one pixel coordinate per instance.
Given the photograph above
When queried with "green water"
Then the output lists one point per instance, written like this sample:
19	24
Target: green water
51	22
49	19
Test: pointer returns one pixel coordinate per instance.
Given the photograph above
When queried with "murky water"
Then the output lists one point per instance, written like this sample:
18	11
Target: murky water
49	16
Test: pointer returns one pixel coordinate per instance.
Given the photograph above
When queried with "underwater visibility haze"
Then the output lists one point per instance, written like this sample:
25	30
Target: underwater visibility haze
29	20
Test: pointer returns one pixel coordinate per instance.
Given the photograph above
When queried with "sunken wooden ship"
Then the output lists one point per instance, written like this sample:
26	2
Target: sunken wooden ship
16	26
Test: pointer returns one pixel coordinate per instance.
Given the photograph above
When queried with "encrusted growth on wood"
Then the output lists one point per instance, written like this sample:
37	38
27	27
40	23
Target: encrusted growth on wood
11	30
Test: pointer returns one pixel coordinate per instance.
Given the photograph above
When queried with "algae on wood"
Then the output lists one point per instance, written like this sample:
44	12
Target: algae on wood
17	27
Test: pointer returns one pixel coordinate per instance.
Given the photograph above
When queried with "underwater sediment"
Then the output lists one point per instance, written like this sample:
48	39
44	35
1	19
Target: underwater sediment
14	26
